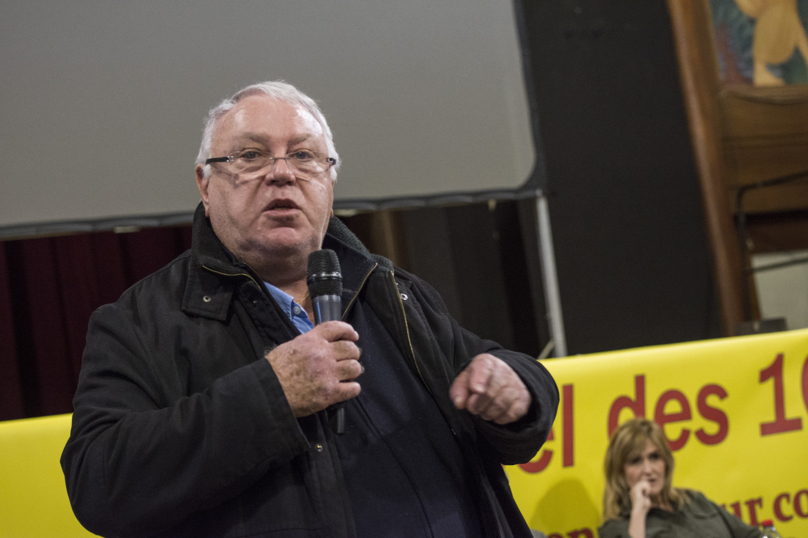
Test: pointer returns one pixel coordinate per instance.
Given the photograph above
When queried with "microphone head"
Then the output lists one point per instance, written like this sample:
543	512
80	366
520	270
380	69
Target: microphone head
324	275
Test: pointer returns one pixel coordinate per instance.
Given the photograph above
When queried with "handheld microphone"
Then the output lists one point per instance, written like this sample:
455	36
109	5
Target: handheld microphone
324	281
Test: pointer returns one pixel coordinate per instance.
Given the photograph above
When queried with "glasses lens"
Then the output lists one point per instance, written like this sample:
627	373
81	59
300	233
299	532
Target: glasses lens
303	163
249	161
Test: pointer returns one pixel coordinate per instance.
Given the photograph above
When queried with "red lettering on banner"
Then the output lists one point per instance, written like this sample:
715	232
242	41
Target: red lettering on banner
637	405
663	418
750	505
805	383
798	503
585	532
712	414
568	441
540	464
778	511
781	507
781	424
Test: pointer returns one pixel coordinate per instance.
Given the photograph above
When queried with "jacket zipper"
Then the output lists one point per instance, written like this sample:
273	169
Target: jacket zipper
362	285
248	275
497	523
407	331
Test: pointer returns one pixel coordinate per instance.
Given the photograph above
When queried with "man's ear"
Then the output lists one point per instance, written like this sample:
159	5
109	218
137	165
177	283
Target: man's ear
202	183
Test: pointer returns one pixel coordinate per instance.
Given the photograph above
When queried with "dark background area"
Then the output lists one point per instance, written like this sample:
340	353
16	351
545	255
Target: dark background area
632	255
631	250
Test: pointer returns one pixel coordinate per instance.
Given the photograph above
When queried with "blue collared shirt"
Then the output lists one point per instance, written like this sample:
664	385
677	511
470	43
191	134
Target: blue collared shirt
293	311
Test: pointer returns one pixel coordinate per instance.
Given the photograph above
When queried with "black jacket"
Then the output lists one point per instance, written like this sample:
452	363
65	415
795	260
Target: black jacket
181	428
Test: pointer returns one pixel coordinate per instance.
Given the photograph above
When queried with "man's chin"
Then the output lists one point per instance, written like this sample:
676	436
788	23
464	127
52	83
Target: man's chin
288	241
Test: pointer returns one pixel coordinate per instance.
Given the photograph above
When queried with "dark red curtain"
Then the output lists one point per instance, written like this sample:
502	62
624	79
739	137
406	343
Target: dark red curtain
48	289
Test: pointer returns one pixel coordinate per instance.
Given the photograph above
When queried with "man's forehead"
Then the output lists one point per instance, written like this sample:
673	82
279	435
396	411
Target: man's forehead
264	114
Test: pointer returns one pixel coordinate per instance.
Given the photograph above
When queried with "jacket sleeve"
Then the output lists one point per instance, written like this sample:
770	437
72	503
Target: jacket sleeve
142	456
736	527
614	528
513	443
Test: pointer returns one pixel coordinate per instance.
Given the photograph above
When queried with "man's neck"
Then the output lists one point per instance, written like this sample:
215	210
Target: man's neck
280	268
287	273
284	268
290	274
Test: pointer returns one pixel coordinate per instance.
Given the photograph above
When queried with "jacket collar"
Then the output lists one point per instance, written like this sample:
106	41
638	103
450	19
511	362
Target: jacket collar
355	268
213	274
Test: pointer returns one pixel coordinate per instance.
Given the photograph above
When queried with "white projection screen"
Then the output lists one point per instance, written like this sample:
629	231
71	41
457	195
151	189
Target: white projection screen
102	102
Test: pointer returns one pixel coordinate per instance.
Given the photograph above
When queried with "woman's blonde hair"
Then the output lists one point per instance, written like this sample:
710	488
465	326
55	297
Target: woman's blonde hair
627	443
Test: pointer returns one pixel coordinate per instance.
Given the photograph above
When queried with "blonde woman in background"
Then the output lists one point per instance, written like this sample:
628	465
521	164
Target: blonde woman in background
640	501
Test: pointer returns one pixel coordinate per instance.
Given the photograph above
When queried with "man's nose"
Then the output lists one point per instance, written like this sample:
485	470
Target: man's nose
280	172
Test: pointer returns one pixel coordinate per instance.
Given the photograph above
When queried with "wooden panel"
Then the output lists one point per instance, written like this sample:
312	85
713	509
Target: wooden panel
698	66
776	199
761	113
766	136
778	232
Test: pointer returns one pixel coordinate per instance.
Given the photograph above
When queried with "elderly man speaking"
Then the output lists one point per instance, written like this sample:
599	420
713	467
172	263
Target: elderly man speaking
206	397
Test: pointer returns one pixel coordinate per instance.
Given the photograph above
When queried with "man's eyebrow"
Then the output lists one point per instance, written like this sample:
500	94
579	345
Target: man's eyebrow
301	138
255	137
263	139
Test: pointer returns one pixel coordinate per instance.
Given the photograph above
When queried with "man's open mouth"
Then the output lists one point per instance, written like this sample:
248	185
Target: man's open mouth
279	205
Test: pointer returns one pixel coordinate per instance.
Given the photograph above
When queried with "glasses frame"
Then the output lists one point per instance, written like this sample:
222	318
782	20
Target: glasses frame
272	160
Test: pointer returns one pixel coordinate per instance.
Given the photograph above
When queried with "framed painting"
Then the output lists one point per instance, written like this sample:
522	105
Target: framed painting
761	42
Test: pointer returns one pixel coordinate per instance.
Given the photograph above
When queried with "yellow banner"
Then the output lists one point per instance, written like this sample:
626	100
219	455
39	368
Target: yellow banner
734	410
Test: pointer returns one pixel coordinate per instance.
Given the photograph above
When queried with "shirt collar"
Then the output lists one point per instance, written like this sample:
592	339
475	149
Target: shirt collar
295	312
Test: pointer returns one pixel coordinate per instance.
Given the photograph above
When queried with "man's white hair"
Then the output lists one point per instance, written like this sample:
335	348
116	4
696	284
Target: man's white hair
276	89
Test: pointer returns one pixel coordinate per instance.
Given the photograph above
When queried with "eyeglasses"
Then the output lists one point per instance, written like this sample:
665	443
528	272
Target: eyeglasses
305	164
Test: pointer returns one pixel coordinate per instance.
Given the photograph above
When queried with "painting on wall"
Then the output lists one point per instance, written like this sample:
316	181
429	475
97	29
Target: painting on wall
761	42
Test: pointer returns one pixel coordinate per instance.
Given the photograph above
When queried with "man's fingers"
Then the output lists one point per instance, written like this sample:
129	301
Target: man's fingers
348	370
486	382
333	331
346	390
480	371
472	382
489	388
492	407
510	406
346	350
